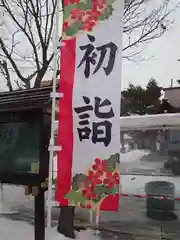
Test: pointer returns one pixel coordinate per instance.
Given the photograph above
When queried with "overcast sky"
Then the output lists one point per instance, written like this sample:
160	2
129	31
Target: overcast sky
163	54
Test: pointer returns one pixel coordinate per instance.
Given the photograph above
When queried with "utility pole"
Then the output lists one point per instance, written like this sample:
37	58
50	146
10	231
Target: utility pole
171	83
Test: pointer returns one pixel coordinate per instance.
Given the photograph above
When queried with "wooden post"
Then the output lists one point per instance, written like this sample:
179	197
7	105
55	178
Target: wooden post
66	221
39	229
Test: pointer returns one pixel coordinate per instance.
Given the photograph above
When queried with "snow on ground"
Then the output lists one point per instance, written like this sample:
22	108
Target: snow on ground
15	230
136	184
133	155
20	230
131	159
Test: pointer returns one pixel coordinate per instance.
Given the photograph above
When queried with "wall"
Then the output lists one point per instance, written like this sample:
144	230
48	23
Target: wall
173	95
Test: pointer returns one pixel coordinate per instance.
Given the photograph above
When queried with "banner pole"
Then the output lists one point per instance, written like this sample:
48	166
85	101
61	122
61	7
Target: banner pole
55	66
97	217
91	216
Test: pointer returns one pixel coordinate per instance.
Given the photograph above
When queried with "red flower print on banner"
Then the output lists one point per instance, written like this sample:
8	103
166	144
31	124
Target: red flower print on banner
98	4
83	16
88	25
65	26
112	179
74	1
88	192
99	166
66	2
93	178
88	206
99	186
93	14
77	14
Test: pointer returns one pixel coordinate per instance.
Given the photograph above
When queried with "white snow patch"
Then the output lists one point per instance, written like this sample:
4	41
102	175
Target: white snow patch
136	184
17	230
133	155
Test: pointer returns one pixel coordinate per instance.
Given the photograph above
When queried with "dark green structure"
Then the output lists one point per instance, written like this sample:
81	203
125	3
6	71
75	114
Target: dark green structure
24	136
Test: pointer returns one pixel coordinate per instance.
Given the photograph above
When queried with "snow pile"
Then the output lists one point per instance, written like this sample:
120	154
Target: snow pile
133	155
20	230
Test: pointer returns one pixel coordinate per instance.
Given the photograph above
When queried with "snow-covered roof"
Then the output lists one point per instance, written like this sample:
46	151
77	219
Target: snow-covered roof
167	120
145	122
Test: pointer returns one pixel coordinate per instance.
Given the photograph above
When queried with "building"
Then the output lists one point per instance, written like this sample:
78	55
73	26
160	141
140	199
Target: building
173	95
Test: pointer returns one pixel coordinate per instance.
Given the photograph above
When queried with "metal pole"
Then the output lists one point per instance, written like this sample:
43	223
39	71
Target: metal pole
55	50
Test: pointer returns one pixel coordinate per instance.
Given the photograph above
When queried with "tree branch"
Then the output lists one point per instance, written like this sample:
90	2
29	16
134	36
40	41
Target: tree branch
8	55
42	72
49	35
36	18
32	23
5	72
147	26
30	35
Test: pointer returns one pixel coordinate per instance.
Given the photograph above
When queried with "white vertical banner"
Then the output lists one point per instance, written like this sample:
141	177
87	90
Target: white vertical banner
89	120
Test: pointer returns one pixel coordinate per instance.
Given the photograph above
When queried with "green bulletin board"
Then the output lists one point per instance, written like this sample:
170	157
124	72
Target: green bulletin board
19	147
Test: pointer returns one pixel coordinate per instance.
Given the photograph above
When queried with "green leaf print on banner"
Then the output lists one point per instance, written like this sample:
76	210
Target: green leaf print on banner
75	197
67	10
84	6
79	180
107	13
102	189
115	190
112	162
74	28
110	2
